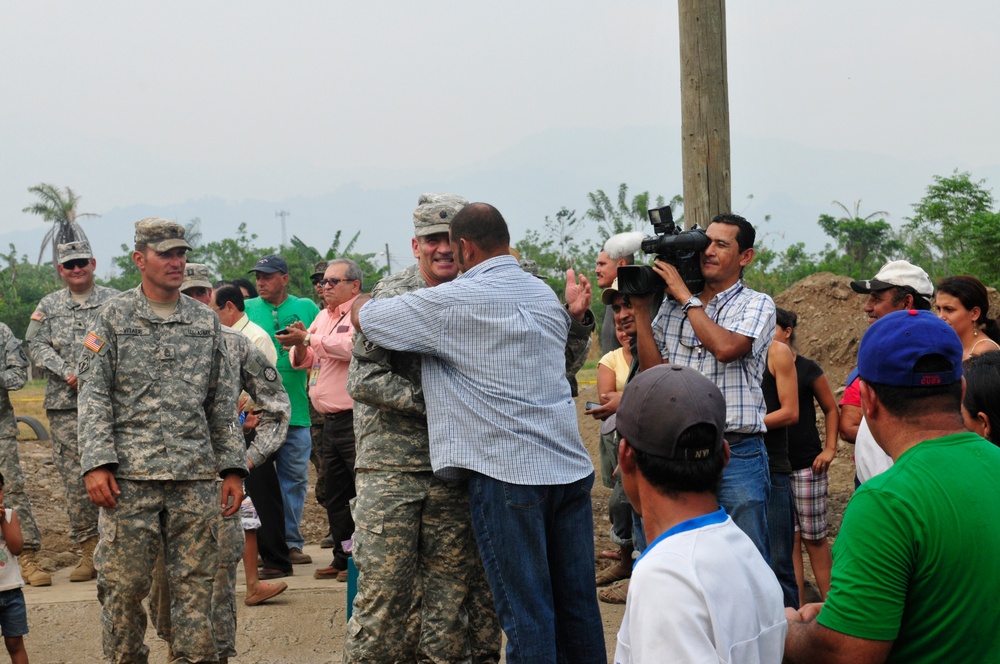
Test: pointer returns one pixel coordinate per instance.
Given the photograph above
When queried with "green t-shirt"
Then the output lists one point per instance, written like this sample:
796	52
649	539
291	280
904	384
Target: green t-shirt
272	319
916	557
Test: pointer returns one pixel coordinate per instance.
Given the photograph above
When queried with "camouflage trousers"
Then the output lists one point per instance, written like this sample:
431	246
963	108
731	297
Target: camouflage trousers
14	495
417	557
183	519
66	456
223	590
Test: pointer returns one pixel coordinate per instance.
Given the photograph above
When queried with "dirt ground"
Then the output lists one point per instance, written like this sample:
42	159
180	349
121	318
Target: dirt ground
830	326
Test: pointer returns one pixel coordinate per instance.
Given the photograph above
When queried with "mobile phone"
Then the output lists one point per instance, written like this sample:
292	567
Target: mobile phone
591	405
283	330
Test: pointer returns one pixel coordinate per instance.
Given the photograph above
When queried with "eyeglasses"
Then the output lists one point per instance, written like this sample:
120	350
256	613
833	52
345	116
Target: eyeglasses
76	263
331	281
317	281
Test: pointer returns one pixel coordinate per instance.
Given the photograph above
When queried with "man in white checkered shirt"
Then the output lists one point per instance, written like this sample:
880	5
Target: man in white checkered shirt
724	333
501	417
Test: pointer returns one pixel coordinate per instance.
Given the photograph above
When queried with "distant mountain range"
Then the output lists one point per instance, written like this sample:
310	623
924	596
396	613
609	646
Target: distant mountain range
791	183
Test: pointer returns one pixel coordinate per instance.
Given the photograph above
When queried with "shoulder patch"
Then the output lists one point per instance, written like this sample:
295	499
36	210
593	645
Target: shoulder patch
39	315
93	342
271	374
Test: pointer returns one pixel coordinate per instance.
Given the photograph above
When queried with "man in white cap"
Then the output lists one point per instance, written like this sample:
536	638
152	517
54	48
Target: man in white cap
899	285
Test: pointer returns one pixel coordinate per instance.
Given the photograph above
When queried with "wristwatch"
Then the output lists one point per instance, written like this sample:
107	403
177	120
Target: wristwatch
692	302
305	342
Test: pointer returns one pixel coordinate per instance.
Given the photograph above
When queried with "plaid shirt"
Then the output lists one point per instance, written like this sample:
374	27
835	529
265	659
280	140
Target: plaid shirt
494	373
737	309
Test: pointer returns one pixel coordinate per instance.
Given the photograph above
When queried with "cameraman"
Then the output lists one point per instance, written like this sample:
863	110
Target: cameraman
724	333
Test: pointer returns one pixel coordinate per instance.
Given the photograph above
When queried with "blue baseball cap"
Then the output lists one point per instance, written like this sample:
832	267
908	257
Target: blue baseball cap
894	343
269	264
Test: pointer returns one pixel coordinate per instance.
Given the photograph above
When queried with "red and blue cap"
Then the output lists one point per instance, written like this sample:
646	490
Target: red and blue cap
893	344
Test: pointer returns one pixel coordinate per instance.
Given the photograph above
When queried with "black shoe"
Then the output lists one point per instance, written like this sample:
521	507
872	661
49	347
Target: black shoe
268	573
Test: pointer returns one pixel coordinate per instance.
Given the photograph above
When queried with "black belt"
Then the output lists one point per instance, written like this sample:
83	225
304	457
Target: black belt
734	438
339	414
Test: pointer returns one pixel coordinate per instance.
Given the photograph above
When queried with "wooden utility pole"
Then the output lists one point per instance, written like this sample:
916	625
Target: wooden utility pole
704	110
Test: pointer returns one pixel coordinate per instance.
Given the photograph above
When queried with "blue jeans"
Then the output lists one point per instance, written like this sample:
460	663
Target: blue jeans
292	464
537	544
781	527
743	492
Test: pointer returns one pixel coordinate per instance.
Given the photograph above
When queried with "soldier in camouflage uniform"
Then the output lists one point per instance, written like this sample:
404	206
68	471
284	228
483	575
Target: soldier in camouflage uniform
157	425
261	381
54	342
413	542
13	376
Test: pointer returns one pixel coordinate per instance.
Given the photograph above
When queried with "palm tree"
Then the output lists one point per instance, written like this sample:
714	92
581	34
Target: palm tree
59	208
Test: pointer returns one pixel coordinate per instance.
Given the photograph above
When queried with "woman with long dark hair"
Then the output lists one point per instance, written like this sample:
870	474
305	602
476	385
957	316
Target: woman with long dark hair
962	302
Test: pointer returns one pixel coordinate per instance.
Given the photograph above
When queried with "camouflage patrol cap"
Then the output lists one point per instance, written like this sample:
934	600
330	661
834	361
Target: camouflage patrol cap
530	266
196	275
160	234
434	213
319	269
73	250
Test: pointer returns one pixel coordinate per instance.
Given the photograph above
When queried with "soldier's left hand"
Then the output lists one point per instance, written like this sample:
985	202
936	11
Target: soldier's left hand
577	295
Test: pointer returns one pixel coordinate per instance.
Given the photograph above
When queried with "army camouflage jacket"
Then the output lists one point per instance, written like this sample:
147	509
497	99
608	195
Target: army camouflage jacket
158	396
262	382
390	418
13	376
55	338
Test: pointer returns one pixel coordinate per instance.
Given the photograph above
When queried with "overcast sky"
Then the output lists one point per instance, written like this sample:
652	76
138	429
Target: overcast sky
160	103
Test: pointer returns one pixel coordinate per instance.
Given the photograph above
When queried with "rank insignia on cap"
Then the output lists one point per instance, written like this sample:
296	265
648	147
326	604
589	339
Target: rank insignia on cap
38	315
93	342
270	374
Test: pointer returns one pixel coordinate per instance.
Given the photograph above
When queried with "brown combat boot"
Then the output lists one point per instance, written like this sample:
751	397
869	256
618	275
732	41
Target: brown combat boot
31	571
84	570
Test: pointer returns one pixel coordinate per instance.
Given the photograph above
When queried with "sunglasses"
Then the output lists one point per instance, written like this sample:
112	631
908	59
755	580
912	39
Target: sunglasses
76	263
332	281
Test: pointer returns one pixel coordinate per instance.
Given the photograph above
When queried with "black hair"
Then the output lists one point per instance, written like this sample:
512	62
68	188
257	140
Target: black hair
483	225
899	294
247	285
971	292
745	233
911	402
229	293
1	480
786	319
982	389
672	476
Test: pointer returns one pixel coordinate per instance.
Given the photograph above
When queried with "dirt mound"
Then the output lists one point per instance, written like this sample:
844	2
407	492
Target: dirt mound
830	322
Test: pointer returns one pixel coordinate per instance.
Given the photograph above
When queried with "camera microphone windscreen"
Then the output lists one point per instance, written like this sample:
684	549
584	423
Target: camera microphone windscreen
624	244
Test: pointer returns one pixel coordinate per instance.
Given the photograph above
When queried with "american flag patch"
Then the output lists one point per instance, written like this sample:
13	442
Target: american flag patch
38	315
93	342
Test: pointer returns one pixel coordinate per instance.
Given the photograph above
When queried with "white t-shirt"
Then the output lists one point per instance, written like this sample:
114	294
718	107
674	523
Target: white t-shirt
10	571
869	459
702	593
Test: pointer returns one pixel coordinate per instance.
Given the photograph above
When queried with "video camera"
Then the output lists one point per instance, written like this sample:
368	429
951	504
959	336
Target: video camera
671	245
